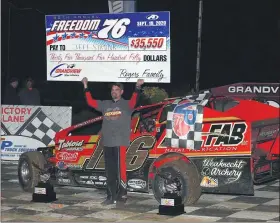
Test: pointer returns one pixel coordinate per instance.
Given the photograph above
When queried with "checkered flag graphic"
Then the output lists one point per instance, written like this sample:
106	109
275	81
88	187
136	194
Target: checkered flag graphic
193	139
40	127
201	98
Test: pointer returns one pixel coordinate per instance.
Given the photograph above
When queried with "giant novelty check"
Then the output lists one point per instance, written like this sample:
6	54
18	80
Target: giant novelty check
109	47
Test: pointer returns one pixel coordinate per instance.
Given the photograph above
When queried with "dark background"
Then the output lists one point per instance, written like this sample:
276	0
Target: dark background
240	42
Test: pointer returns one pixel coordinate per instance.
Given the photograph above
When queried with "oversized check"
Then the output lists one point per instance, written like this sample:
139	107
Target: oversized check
109	47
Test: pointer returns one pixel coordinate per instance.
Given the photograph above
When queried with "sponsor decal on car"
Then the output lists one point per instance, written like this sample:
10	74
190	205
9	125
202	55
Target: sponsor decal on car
61	165
253	89
102	178
62	173
65	156
209	182
228	134
137	183
268	132
93	177
70	145
64	180
184	117
74	166
88	122
98	183
231	170
202	149
90	182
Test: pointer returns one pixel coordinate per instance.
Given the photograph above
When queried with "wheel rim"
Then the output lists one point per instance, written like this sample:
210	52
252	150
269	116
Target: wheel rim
25	172
165	186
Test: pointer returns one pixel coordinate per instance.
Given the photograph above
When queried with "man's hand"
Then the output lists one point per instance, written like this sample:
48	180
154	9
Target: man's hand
85	82
140	82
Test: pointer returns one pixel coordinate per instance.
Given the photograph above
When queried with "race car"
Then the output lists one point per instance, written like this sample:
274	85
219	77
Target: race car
239	147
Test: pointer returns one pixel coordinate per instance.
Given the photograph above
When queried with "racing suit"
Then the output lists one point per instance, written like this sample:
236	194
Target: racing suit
115	137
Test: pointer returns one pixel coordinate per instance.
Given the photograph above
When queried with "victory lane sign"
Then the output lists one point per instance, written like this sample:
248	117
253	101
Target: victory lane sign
109	47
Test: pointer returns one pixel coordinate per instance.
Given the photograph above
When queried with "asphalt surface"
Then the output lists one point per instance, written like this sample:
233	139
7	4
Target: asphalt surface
82	204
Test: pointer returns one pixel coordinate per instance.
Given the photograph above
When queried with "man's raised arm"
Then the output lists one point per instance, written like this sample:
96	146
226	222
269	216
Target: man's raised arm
96	104
134	97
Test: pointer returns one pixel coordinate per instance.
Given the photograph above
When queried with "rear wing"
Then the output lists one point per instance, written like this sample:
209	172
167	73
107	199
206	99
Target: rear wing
263	92
264	131
265	149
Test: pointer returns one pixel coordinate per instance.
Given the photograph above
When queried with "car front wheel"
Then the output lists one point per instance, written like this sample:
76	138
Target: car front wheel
185	179
28	174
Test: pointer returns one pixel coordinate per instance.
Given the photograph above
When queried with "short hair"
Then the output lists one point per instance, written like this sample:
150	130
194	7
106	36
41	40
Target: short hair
29	80
120	85
13	79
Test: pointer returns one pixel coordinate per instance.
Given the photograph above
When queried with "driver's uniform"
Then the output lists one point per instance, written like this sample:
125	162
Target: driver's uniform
115	137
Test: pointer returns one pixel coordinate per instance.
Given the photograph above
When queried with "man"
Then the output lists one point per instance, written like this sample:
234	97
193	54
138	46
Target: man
115	137
11	96
30	95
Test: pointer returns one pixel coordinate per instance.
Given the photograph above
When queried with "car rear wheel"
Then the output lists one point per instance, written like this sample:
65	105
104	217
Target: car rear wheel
28	174
184	175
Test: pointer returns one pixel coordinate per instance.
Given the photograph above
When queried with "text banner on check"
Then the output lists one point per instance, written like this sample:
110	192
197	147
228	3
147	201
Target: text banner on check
109	47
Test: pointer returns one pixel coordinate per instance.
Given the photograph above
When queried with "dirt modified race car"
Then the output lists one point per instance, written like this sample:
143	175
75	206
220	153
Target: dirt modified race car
239	146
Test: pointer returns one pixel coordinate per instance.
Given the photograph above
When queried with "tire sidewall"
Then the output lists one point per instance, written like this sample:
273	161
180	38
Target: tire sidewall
33	176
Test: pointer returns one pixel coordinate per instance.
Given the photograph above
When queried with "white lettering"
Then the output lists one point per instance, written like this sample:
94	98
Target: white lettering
90	182
253	89
136	183
98	183
69	144
67	24
67	156
79	25
85	24
232	170
75	25
61	25
202	149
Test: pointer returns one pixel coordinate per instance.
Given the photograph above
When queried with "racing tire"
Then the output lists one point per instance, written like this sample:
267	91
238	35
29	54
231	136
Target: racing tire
28	175
188	176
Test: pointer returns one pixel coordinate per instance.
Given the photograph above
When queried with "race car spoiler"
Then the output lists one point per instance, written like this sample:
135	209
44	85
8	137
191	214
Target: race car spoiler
265	92
265	130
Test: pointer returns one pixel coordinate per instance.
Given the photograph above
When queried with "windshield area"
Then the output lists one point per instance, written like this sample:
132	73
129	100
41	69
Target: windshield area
147	119
222	104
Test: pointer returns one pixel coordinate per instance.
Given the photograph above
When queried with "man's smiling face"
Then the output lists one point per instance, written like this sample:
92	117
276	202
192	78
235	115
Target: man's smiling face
116	92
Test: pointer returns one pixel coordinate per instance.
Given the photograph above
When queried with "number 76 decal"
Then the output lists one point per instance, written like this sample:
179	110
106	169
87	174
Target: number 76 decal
116	26
136	154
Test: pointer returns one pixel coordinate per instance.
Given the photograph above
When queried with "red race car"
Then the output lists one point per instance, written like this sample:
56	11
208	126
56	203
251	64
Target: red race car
239	146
